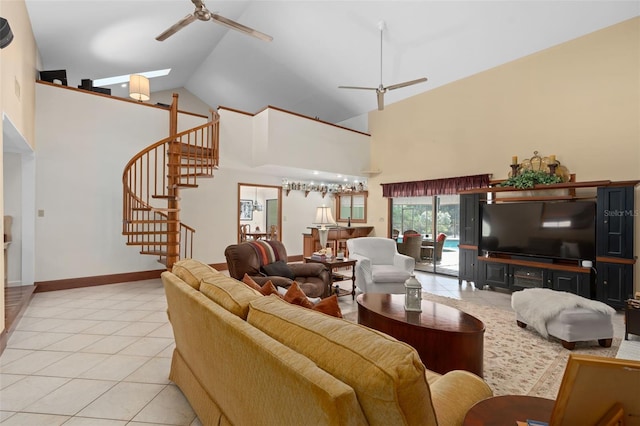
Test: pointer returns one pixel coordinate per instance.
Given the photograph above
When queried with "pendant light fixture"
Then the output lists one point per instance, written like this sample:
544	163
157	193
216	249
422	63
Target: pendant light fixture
257	207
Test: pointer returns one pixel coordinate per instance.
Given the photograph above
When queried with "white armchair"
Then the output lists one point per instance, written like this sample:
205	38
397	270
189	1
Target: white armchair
380	268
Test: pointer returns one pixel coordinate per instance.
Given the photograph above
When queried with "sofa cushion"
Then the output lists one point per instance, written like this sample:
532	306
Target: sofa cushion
387	375
279	268
388	274
229	293
192	271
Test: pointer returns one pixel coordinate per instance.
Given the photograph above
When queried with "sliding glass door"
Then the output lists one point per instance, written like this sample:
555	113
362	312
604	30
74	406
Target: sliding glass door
436	219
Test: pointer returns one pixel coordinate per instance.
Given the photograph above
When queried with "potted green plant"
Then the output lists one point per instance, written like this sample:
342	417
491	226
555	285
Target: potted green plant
529	178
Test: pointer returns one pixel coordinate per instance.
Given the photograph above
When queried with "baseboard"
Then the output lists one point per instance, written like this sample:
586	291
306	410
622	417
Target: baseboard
69	283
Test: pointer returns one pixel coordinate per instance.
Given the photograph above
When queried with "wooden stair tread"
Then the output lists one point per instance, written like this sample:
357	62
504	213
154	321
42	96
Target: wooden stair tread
188	149
150	232
148	243
166	197
205	175
165	210
154	252
152	221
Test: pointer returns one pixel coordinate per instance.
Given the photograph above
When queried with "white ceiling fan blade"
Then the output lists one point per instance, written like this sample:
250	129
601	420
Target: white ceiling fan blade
406	83
176	27
357	87
239	27
380	100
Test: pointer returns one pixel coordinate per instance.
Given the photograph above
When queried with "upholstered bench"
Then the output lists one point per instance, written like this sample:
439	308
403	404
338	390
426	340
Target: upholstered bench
566	316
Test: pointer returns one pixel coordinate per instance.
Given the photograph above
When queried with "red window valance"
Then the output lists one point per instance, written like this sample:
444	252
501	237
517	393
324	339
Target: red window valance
444	186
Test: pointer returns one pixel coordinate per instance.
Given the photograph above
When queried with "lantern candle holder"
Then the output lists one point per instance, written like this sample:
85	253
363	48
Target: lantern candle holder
413	295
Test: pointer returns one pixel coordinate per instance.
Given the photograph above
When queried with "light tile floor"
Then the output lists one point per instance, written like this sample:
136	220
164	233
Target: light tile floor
100	356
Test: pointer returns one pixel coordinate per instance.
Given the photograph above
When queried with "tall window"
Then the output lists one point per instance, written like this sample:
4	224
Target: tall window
417	214
352	207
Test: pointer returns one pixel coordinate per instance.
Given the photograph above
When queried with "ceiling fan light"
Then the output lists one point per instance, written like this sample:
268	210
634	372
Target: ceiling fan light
139	87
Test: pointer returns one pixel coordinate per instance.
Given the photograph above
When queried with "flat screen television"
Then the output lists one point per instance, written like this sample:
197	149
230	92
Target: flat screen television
556	230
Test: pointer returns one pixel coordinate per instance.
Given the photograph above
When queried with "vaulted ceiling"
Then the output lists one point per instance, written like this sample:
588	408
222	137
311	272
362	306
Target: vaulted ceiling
317	45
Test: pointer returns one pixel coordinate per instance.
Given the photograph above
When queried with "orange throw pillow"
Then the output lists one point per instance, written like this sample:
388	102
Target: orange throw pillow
266	289
296	296
250	282
329	306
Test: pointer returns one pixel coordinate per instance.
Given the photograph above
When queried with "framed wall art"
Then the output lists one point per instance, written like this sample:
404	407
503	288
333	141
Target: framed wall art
246	210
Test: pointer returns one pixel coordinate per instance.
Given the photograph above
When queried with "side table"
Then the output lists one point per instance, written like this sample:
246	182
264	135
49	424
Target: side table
506	410
334	263
631	318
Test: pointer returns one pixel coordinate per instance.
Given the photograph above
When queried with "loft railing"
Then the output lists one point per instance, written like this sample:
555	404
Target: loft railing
155	175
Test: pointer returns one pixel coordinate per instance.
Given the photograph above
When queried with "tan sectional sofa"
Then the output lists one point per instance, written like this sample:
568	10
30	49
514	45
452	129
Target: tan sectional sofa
246	359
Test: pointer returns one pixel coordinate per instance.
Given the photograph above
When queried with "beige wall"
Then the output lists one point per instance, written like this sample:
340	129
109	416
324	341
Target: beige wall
579	100
18	63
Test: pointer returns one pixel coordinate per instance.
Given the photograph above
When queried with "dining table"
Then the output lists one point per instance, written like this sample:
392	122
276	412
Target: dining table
257	235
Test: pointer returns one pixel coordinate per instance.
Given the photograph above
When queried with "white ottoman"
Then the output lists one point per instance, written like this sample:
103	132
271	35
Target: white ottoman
569	317
578	325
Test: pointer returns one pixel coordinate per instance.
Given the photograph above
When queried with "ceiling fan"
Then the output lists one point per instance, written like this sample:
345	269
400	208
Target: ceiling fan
203	14
381	90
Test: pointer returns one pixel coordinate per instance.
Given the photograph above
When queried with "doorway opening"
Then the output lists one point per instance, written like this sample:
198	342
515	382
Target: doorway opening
259	212
436	218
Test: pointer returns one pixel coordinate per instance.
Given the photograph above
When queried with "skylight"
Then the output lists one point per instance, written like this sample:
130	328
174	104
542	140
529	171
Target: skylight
125	78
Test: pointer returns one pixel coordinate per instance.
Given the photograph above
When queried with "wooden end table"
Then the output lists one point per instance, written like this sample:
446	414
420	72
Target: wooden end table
507	409
334	263
631	319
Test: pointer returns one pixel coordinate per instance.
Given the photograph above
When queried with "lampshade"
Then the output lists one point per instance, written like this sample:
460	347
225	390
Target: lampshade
139	87
324	216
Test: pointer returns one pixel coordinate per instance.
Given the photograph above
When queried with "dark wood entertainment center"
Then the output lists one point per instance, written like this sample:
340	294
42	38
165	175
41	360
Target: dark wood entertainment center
609	280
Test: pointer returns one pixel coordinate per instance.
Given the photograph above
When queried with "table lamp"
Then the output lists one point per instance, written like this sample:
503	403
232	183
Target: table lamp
323	217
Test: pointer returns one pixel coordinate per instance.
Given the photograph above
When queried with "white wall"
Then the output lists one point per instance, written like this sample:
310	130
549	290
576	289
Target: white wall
83	148
187	101
212	210
313	145
84	142
13	207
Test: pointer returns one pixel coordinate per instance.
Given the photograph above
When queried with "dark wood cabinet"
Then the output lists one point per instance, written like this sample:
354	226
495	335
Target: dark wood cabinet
495	274
469	237
615	283
469	219
614	245
572	282
614	229
609	281
467	265
521	277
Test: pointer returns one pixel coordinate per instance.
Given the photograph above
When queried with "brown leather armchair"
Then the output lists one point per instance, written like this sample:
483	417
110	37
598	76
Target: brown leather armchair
252	257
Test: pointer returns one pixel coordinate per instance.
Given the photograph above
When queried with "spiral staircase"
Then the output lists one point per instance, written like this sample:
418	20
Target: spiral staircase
152	181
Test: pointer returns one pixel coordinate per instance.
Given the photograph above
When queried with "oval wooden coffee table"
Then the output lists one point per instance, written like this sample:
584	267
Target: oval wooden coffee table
446	338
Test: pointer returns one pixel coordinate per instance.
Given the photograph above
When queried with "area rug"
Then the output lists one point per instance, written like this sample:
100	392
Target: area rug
519	361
